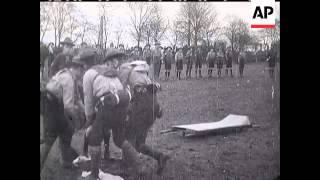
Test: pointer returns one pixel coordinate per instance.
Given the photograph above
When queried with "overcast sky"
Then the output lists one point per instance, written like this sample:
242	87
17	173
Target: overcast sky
120	15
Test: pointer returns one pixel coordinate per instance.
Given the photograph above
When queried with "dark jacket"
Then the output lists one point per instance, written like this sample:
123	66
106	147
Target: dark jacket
60	61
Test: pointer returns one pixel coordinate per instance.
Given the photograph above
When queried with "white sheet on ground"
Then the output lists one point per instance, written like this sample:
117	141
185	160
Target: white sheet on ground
231	121
102	175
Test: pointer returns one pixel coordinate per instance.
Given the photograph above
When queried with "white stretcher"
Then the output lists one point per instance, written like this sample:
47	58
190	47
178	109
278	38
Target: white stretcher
229	122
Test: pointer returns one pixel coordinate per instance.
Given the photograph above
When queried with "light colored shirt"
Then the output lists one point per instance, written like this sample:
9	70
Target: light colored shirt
64	87
179	56
157	55
138	76
211	55
94	86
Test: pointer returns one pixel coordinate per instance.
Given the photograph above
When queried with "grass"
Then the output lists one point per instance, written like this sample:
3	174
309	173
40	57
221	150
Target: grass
253	153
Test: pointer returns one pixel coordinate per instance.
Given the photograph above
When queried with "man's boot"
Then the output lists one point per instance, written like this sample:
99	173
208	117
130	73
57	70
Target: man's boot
168	75
106	139
231	72
131	159
95	153
160	157
44	151
200	73
68	154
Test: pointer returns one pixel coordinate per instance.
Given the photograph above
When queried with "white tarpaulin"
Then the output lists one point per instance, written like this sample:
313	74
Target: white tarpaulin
231	121
102	175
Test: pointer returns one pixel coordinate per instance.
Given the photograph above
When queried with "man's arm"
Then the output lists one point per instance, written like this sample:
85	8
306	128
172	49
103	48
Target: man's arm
70	105
88	97
54	68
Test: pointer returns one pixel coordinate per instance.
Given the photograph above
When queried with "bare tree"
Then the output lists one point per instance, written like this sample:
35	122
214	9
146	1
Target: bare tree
72	26
173	35
211	27
156	25
270	35
104	11
118	33
45	19
192	18
85	27
139	16
237	32
183	22
59	13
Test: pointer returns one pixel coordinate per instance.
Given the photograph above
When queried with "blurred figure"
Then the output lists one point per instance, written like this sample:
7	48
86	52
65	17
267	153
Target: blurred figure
135	55
241	61
156	60
64	111
190	58
147	54
229	61
179	62
199	59
219	58
168	57
271	59
211	60
63	59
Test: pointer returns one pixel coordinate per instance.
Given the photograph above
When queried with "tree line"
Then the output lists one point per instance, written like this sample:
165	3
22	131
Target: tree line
195	24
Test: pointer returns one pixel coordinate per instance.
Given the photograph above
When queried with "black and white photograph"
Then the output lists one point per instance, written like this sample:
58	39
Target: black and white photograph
158	91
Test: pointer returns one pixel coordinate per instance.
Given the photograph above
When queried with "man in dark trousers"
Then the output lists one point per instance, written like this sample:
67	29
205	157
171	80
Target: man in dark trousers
63	59
229	61
211	60
199	59
271	59
106	104
147	54
190	58
156	59
220	59
179	63
64	111
242	62
168	58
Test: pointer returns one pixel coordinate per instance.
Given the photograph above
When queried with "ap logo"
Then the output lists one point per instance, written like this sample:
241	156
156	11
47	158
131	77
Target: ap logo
263	13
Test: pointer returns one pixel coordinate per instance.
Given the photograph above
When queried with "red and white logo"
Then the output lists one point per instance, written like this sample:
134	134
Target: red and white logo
263	13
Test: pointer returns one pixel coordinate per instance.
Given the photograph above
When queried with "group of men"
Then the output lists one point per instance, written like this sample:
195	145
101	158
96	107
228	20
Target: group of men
111	96
194	55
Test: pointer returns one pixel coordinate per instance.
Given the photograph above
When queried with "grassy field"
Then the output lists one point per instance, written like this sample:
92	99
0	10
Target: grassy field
250	154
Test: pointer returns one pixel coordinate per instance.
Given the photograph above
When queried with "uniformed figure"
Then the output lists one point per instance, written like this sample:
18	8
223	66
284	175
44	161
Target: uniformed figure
271	59
168	57
135	55
211	60
51	53
63	59
144	109
106	105
241	61
199	59
179	62
121	48
229	61
220	59
156	60
64	111
190	58
147	55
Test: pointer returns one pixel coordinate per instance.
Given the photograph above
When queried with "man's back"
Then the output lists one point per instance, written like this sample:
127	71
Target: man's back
60	61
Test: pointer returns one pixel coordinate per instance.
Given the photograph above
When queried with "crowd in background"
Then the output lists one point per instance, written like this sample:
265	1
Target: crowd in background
172	59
